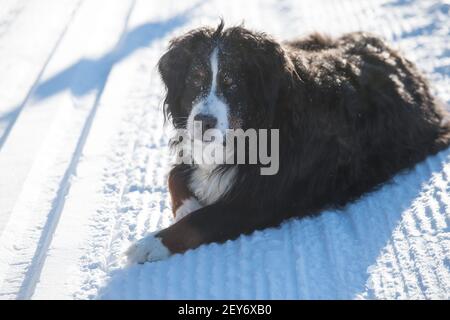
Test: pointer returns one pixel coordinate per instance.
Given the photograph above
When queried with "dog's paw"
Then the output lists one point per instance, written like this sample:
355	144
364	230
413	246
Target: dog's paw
189	205
150	248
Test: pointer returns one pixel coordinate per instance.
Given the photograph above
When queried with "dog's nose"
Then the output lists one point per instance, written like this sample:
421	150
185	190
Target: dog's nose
208	121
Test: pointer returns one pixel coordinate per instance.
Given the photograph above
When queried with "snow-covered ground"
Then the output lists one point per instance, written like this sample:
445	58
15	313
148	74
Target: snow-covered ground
83	160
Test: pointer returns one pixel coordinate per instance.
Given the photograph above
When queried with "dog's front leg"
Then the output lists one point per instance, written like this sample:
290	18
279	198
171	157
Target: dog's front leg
214	223
183	200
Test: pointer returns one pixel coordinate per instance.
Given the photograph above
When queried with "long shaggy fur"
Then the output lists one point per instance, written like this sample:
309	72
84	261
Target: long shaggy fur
352	112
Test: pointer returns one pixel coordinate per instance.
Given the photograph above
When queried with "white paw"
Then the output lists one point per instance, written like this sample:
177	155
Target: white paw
149	248
189	205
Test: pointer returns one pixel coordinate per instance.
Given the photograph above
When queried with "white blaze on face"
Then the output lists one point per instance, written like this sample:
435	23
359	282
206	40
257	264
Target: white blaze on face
211	104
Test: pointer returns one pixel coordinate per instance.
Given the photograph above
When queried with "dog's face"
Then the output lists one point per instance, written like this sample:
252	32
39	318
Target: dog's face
226	79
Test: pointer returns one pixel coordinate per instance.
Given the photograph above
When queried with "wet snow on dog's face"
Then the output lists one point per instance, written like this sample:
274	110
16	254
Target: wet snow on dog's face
212	93
223	79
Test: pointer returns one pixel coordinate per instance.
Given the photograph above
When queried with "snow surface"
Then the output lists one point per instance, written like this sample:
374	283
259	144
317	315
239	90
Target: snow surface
83	161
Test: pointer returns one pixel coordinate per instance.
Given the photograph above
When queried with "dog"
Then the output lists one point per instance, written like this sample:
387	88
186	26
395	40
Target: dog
351	113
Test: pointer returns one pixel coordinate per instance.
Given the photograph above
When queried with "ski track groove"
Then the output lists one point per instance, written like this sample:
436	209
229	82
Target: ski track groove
34	270
378	247
17	110
23	254
9	16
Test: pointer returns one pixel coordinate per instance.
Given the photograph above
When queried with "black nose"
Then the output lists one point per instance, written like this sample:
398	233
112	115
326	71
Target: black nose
208	121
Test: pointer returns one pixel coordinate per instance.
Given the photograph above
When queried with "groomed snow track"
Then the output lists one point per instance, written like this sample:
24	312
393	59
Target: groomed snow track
83	161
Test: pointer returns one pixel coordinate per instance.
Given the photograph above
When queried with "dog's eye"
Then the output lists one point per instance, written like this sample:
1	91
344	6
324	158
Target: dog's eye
228	81
200	75
197	82
198	78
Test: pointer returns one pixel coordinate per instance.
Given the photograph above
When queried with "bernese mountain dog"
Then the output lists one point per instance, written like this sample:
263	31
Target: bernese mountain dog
351	113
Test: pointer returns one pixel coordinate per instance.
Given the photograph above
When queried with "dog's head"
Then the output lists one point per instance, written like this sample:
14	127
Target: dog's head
227	79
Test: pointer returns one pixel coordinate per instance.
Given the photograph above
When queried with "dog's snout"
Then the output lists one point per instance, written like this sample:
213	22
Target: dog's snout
208	121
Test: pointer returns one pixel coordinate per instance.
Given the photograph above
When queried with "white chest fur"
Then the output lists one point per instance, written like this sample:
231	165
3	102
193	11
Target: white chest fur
208	186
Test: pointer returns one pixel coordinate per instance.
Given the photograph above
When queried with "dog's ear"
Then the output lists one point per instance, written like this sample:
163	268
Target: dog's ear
173	66
273	77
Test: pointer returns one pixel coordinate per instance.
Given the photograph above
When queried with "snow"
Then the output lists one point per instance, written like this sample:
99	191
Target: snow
84	158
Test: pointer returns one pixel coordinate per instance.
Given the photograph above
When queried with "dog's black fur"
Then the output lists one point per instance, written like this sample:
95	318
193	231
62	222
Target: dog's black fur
352	112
